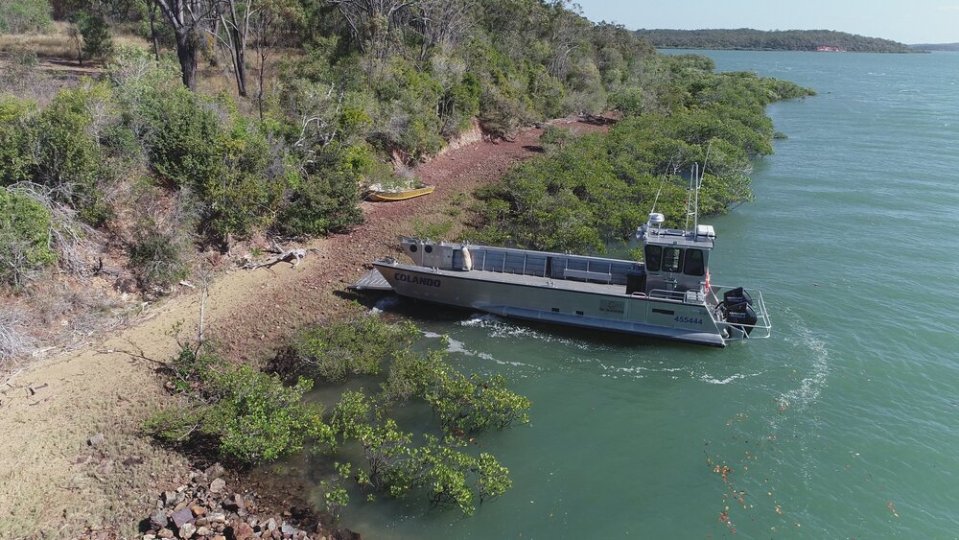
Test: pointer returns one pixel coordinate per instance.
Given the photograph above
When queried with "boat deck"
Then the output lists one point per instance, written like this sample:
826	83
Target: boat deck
370	282
539	281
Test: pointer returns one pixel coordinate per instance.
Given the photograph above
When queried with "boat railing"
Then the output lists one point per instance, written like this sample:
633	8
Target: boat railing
762	315
554	266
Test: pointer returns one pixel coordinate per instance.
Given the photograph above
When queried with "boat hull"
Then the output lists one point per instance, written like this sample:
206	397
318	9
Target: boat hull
385	196
547	301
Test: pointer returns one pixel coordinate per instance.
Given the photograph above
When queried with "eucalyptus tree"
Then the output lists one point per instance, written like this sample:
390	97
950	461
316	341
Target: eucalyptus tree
188	19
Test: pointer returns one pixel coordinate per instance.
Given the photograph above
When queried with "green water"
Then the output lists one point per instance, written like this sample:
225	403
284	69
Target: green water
844	424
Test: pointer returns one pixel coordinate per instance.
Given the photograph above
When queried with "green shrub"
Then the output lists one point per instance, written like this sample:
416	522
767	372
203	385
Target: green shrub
248	416
16	134
226	163
256	419
357	347
325	198
157	257
95	39
24	237
69	158
450	476
446	475
183	137
467	405
23	16
460	103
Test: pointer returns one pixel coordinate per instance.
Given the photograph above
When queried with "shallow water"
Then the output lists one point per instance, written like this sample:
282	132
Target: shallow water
844	424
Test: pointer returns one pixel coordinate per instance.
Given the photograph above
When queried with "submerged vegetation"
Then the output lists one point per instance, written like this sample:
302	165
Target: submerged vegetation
249	417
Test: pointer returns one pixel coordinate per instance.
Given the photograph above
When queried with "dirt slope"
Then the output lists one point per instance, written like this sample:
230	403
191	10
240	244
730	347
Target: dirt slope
71	456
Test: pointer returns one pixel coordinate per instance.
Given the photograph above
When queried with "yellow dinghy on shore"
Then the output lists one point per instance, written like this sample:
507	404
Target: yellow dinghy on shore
388	196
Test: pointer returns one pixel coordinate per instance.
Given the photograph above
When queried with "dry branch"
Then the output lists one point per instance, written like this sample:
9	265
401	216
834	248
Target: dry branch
293	256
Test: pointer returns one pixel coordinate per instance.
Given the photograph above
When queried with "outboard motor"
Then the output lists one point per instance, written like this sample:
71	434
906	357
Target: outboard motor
738	306
736	297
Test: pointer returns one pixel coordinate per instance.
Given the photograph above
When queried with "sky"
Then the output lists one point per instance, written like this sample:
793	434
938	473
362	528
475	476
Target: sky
906	21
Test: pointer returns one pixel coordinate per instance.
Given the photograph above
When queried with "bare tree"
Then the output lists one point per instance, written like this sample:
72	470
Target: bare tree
269	23
372	21
566	31
235	16
442	22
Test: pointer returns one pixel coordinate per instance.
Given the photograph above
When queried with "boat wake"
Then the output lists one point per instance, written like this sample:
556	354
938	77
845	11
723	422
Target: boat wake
811	385
386	303
675	373
499	328
458	347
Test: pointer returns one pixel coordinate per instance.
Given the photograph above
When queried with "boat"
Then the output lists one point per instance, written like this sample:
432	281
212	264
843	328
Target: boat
388	196
667	296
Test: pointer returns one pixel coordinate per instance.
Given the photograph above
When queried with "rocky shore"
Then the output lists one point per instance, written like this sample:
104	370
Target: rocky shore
208	509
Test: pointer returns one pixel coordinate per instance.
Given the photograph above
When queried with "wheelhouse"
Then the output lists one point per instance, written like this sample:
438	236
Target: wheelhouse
676	260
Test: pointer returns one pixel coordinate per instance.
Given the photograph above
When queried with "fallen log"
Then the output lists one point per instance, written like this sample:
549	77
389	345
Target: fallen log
293	256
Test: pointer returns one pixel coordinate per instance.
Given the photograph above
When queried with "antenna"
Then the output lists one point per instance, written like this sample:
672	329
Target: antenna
692	199
662	182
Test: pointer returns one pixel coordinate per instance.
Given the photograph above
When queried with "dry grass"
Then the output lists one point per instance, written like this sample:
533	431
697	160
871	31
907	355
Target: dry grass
14	342
55	44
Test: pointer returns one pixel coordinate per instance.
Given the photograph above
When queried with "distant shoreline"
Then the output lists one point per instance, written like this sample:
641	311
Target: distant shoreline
776	40
747	49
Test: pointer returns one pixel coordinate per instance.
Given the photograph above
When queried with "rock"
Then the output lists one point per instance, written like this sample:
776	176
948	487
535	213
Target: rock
198	510
217	485
286	528
187	530
203	531
271	525
217	517
170	498
182	516
239	502
96	440
165	533
346	534
149	537
219	537
158	520
243	531
198	478
215	471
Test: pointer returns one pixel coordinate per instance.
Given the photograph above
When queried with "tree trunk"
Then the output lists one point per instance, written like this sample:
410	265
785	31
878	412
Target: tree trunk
153	32
239	62
186	49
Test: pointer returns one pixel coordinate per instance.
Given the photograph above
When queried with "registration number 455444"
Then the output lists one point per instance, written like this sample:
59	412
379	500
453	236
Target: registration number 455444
687	320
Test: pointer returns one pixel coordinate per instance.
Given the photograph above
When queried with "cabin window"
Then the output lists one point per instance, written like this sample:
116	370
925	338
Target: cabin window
428	249
413	248
672	260
654	258
694	263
